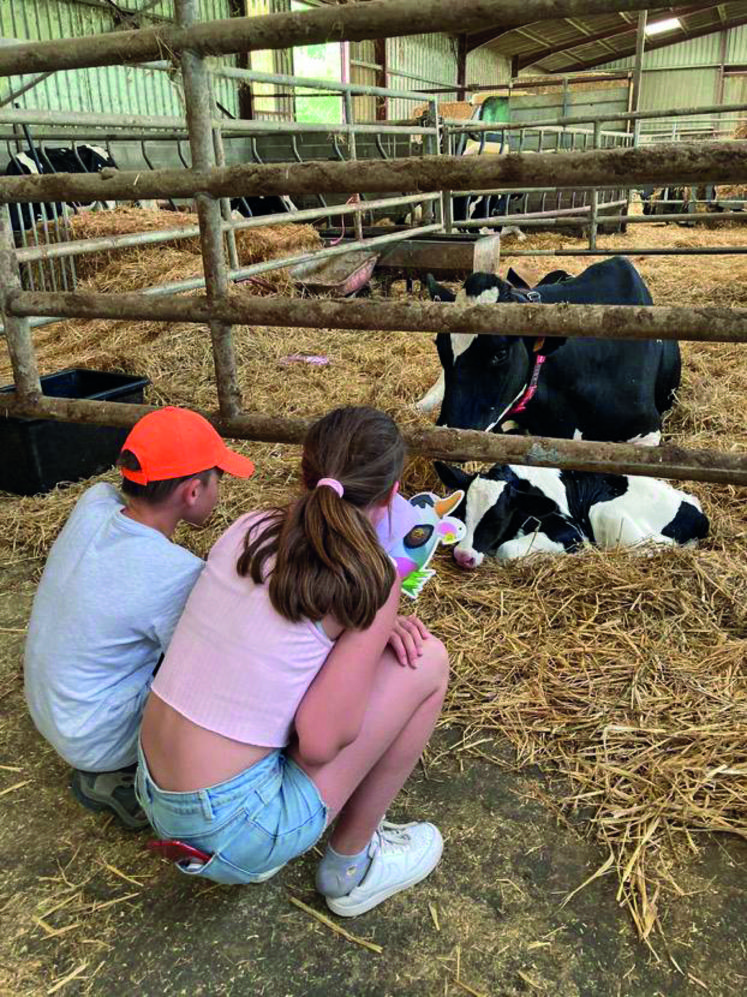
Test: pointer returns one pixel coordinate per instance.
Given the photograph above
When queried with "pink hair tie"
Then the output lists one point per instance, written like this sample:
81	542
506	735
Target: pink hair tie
332	483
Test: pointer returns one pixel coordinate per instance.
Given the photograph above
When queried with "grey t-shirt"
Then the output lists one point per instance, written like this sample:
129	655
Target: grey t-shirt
107	604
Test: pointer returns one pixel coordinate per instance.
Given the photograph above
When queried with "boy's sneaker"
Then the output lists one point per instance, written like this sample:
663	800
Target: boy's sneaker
110	791
401	856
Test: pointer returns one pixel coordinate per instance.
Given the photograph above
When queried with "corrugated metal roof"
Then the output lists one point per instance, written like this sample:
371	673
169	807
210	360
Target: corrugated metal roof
573	44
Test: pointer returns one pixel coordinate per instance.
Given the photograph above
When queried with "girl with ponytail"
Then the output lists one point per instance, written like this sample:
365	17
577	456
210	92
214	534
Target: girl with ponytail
292	695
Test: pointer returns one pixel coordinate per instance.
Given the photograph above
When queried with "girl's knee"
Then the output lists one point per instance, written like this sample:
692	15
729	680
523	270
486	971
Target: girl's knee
435	660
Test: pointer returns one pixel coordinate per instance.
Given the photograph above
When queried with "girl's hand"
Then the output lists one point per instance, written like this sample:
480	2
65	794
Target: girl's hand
406	640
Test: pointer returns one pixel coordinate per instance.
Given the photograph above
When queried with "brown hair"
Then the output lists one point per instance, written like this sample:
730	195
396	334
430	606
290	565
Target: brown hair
154	492
327	558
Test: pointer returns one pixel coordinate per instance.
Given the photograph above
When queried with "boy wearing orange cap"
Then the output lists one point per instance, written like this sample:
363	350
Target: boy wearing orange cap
112	591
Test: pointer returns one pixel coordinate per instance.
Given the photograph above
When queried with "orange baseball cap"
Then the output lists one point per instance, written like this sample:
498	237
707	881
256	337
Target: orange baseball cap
176	442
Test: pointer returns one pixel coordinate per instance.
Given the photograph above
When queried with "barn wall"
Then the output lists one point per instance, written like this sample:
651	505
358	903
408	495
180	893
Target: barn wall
688	75
485	68
106	89
420	62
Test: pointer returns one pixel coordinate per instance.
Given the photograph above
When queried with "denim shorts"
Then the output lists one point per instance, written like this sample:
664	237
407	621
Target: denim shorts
261	818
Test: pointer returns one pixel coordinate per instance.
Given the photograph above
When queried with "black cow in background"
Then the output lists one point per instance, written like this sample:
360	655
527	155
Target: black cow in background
593	389
82	158
471	207
255	207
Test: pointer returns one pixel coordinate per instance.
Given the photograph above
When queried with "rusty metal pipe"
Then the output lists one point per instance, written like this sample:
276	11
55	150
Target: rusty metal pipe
17	329
688	163
198	102
715	325
444	444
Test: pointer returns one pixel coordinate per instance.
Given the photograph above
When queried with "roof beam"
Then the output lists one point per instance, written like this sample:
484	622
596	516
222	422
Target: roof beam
651	44
585	31
530	59
477	39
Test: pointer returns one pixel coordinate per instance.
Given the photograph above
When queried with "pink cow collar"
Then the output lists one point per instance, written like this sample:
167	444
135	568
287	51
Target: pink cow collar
531	390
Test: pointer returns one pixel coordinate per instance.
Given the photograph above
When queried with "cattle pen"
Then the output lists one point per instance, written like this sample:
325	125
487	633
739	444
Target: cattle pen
622	674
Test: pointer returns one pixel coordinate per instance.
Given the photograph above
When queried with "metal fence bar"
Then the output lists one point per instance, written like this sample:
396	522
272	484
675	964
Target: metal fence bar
198	101
225	202
635	251
713	325
456	125
595	197
353	22
156	123
536	216
307	82
17	330
691	163
444	444
113	242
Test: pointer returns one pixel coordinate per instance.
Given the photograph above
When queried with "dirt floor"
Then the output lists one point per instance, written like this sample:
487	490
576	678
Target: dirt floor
85	909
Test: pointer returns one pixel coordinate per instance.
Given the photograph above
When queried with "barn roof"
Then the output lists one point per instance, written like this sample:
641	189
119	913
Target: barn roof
572	44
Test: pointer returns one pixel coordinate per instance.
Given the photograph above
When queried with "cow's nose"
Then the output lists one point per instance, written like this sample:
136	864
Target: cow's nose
464	559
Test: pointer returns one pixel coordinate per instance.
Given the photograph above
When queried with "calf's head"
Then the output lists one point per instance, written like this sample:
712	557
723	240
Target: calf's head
483	375
500	506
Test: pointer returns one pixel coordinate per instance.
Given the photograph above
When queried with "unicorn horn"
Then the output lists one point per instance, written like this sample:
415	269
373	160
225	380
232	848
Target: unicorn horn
445	505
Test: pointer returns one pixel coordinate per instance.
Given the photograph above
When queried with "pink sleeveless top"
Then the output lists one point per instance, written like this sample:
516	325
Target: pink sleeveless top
235	666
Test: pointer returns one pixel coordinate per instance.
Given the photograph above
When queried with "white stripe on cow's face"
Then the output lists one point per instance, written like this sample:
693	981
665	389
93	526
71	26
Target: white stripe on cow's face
482	495
547	480
461	341
27	161
647	439
639	515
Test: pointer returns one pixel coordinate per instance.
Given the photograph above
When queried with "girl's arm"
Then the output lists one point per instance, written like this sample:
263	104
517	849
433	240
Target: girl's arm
330	714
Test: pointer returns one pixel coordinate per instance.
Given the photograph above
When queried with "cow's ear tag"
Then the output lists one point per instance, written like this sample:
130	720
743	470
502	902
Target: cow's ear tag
538	344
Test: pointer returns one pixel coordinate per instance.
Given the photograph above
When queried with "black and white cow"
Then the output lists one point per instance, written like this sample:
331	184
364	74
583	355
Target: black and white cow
593	389
511	511
254	207
481	207
82	158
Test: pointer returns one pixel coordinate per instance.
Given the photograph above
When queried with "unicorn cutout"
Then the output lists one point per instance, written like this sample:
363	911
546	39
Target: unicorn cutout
427	524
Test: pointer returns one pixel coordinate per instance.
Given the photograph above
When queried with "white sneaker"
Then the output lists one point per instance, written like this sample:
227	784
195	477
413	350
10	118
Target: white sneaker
401	856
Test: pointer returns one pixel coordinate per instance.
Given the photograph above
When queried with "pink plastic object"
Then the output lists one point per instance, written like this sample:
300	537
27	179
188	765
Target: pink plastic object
340	275
305	358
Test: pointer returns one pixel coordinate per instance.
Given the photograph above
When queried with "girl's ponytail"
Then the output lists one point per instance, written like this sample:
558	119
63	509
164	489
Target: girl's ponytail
327	557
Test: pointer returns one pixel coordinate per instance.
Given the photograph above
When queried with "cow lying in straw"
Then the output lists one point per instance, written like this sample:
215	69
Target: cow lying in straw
512	511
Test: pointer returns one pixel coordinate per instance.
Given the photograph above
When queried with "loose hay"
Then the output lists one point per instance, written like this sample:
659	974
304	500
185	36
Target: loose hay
623	672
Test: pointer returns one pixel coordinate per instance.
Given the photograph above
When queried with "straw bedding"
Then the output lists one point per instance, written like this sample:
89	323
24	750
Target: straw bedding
623	673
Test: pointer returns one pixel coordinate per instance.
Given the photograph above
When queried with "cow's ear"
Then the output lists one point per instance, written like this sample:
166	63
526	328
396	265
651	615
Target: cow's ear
515	280
436	291
545	346
453	477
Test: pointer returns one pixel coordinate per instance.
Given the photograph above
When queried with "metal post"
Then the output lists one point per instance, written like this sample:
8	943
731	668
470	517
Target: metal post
199	114
638	70
723	47
17	330
349	120
225	203
594	195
